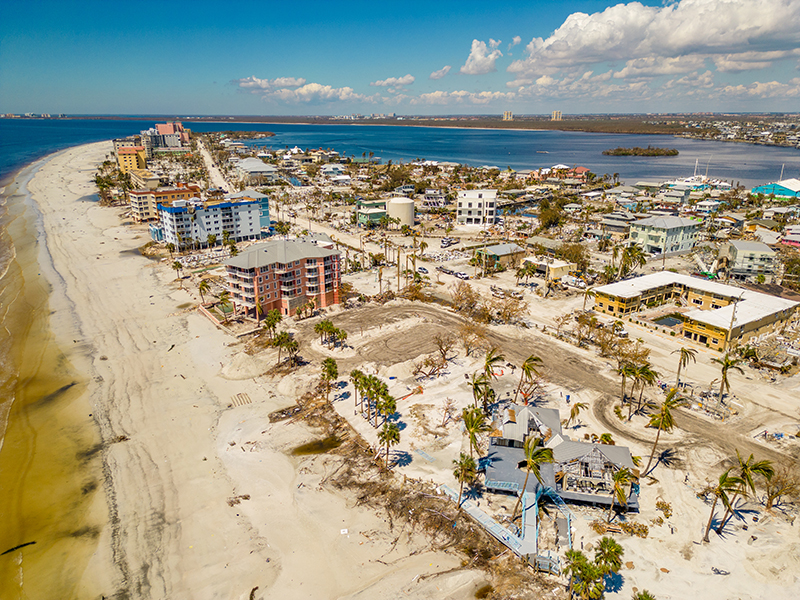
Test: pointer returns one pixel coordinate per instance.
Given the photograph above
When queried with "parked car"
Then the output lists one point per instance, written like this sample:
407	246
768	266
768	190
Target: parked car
422	270
444	269
462	275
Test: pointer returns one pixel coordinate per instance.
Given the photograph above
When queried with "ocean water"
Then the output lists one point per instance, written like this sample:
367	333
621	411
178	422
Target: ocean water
22	141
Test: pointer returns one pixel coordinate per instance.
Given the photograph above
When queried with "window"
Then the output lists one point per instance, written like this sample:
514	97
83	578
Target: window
697	301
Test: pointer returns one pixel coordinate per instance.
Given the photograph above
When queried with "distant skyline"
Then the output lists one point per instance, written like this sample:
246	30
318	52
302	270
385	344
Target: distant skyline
326	58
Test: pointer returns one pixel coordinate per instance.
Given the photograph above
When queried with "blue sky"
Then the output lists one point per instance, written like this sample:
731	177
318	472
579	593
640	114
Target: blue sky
434	57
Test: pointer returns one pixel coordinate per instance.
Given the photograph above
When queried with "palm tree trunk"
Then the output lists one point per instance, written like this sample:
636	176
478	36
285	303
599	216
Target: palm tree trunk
728	514
653	451
460	493
710	518
521	492
387	455
678	378
630	404
611	508
519	387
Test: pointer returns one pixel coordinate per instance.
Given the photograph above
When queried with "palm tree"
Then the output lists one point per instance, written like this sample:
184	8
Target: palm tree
478	383
281	341
356	378
727	363
588	293
292	348
663	420
646	376
619	493
535	456
625	370
272	320
493	357
170	248
465	471
203	287
389	436
643	595
575	412
528	371
178	266
212	240
474	424
608	555
686	355
727	483
224	300
330	371
747	468
584	576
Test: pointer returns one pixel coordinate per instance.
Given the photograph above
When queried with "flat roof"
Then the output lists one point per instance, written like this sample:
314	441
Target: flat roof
279	251
665	222
751	246
752	306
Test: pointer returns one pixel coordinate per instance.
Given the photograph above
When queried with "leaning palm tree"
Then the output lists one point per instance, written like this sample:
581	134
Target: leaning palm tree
726	484
686	355
663	420
646	376
478	383
330	372
474	425
575	412
389	436
528	371
619	493
588	293
203	287
493	358
465	471
746	470
535	456
224	300
727	363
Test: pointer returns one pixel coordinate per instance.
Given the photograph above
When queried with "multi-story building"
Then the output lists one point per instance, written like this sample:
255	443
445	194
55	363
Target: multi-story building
721	315
263	201
144	203
748	260
477	207
126	142
283	275
186	222
255	170
664	235
169	136
131	157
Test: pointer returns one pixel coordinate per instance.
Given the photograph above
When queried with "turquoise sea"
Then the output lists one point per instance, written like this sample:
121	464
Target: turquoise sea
24	140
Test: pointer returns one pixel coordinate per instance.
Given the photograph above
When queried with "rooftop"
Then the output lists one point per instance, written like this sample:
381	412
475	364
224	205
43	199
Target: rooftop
752	306
665	222
279	251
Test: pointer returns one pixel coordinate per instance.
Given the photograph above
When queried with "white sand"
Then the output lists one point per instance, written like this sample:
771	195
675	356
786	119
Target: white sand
166	384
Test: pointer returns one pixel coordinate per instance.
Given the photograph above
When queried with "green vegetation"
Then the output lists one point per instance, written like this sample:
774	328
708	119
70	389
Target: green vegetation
637	151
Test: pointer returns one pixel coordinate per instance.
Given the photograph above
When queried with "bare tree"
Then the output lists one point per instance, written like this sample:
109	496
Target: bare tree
445	343
472	336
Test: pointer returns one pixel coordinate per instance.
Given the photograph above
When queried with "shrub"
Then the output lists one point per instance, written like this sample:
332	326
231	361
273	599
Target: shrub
664	507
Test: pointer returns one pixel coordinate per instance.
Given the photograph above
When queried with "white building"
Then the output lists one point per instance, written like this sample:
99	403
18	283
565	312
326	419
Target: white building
750	259
184	221
659	235
255	170
477	207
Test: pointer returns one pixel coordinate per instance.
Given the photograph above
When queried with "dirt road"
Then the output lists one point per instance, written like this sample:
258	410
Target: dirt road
564	365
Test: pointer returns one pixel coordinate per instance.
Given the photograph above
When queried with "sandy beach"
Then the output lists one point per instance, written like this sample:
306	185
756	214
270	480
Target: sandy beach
176	455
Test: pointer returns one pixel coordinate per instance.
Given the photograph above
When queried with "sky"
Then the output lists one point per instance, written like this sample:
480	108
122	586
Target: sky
410	58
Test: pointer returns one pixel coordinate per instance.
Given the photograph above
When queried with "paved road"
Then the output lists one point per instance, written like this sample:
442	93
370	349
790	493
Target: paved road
563	365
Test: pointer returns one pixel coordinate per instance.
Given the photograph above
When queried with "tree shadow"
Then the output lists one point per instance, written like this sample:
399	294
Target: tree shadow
341	397
613	582
401	458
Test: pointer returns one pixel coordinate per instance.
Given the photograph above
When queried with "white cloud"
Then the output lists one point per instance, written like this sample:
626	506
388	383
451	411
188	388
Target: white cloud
480	60
767	89
440	73
256	85
653	66
316	93
724	30
394	82
461	97
514	41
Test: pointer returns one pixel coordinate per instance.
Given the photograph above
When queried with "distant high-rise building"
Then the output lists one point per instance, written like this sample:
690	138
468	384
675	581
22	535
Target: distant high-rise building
508	115
556	115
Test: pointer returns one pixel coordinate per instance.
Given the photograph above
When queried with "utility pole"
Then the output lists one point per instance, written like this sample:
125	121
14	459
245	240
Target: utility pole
733	317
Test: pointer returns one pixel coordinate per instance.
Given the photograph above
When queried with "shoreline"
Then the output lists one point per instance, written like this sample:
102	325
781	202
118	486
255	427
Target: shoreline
173	453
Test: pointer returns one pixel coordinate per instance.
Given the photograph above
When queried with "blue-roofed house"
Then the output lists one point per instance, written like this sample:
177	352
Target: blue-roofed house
787	188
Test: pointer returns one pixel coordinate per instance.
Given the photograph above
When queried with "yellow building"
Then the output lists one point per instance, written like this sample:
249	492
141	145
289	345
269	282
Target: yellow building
721	315
131	157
